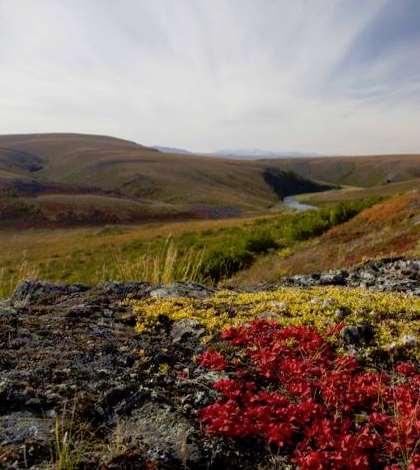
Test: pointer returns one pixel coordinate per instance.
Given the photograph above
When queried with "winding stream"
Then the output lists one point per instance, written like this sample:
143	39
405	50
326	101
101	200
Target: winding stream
291	202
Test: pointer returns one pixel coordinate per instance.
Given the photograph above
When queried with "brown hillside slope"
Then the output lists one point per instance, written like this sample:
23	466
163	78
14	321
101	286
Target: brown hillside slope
31	162
116	165
354	193
194	186
386	229
365	171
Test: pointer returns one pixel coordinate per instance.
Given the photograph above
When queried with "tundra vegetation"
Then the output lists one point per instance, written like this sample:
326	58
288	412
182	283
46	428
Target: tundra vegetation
285	376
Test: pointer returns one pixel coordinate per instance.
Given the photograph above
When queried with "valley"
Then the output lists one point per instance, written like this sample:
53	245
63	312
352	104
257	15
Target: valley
81	208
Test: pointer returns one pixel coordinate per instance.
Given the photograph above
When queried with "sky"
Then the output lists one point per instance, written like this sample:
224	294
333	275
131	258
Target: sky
325	76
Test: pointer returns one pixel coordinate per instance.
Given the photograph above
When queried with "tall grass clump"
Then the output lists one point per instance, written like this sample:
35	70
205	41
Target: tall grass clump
69	444
164	266
11	277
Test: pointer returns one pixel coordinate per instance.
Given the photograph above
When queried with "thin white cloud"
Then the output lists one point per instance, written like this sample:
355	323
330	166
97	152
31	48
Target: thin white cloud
206	74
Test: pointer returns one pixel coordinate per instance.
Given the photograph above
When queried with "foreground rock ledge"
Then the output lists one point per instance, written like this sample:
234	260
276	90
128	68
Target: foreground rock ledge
72	371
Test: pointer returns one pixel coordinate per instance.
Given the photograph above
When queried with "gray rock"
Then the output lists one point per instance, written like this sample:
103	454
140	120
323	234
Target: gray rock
83	311
335	278
19	427
392	274
33	290
6	308
186	327
355	335
118	290
268	315
163	430
409	341
196	291
341	313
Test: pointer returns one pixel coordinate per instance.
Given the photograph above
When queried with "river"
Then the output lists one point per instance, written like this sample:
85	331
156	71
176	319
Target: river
291	202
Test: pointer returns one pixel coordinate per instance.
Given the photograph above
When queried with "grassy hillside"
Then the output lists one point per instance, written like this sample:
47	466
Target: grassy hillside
70	180
99	254
38	171
167	185
389	228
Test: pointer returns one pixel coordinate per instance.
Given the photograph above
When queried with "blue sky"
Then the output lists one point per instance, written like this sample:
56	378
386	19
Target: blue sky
325	76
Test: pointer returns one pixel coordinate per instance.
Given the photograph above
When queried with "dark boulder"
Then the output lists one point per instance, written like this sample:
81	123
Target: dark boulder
354	335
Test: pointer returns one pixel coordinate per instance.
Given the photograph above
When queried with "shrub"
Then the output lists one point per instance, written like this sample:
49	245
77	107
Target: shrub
313	223
260	242
237	253
307	226
287	386
223	262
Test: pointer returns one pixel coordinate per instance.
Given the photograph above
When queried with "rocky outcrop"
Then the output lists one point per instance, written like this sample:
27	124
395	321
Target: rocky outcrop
388	275
70	360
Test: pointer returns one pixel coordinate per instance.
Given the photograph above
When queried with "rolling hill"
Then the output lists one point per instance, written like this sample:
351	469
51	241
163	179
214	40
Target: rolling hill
73	178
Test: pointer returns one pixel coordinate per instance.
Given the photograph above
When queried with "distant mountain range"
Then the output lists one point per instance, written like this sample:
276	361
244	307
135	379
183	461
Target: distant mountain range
258	153
252	154
164	149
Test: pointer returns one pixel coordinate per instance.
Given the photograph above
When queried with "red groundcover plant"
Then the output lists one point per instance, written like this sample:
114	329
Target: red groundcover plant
287	386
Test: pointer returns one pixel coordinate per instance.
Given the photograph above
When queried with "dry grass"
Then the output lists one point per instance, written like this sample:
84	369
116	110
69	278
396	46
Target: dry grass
9	279
164	267
67	210
32	243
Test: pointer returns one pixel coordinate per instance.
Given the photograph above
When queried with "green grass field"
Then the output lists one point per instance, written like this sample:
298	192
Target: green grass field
203	251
